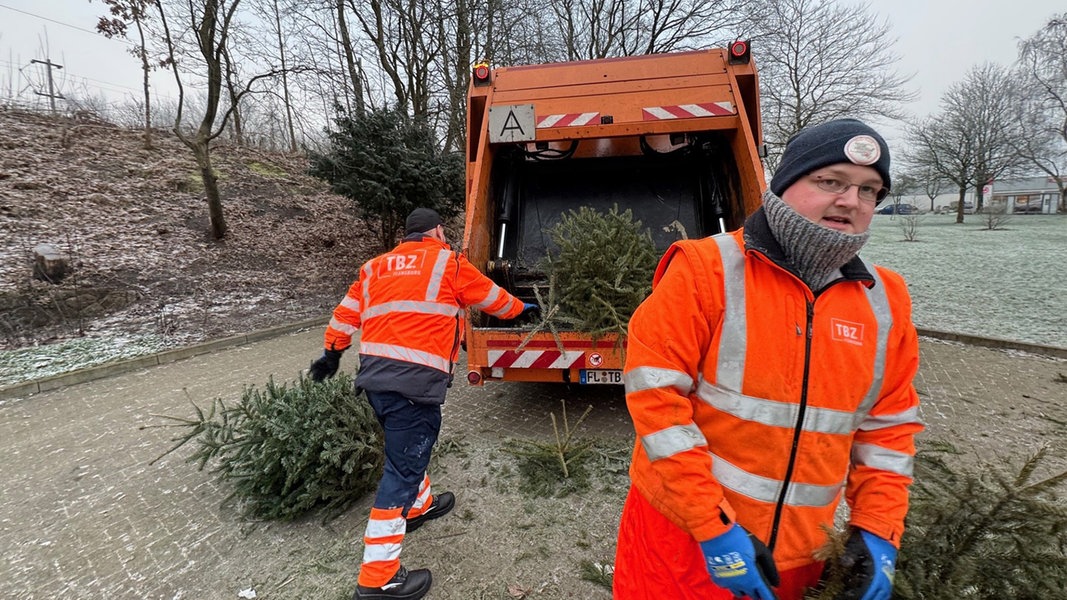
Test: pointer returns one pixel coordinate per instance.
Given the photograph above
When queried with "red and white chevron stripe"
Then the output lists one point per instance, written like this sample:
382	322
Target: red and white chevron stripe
687	111
536	359
567	120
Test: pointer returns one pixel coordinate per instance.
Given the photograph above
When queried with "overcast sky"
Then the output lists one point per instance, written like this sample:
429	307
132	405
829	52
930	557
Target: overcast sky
938	41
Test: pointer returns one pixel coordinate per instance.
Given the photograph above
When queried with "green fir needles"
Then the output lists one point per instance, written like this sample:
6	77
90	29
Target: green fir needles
602	269
998	533
990	534
290	448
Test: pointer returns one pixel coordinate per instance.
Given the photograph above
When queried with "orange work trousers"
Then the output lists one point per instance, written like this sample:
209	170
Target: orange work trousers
655	559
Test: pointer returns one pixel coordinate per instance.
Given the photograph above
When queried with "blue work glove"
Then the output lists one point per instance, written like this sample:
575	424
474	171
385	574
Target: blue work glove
528	307
737	561
869	563
326	365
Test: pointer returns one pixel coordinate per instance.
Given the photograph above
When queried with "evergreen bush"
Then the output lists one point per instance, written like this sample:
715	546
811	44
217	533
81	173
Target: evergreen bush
290	448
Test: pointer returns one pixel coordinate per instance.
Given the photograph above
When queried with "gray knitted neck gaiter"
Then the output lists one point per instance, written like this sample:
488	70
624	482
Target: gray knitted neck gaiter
812	250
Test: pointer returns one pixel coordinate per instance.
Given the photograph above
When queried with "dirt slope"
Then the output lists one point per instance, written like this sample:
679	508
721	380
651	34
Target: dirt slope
135	223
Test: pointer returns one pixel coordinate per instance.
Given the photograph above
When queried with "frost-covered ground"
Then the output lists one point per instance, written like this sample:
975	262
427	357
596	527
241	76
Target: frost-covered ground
1009	283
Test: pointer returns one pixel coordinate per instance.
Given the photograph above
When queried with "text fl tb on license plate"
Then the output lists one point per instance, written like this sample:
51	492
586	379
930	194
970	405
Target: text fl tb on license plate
600	376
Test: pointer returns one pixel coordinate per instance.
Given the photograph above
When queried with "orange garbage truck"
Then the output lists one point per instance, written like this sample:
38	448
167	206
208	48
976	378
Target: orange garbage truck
675	138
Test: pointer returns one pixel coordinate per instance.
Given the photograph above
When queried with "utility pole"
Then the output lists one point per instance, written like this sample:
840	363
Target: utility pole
51	87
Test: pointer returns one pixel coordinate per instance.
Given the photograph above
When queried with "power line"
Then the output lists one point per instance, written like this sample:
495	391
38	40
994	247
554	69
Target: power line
43	18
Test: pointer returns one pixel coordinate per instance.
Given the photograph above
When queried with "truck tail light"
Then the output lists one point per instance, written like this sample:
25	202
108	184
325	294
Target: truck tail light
740	52
481	74
474	378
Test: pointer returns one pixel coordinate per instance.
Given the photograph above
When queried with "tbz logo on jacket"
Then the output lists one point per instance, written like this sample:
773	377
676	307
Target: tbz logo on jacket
847	331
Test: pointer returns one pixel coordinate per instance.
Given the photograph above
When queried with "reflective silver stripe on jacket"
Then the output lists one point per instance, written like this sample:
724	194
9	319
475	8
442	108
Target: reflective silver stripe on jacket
342	327
411	306
350	302
438	274
648	378
733	339
873	422
767	490
490	298
774	413
672	440
883	315
726	392
884	459
368	270
411	355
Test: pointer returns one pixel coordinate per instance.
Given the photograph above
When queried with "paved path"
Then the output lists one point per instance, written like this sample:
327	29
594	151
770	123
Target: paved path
83	514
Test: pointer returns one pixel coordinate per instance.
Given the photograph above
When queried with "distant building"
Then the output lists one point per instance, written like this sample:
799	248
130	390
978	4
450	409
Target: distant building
1032	195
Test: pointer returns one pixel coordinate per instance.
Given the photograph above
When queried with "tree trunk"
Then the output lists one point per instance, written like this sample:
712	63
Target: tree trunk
202	152
285	81
145	68
959	205
235	101
353	71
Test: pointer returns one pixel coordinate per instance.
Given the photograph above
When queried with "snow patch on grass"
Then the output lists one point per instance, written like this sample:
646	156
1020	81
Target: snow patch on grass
38	362
1007	283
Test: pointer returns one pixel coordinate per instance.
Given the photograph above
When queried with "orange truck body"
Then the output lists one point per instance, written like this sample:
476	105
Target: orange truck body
673	137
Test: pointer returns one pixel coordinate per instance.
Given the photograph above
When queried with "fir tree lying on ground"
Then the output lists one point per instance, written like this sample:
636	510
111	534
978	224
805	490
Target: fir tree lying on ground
989	534
290	448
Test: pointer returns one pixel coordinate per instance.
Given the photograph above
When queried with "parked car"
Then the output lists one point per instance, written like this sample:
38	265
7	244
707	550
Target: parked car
1033	207
897	209
968	207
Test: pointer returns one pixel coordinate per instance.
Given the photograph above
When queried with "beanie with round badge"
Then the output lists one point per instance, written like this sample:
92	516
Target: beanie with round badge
830	143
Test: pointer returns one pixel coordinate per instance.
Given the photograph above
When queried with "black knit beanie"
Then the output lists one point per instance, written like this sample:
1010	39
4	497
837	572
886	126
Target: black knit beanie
420	220
833	142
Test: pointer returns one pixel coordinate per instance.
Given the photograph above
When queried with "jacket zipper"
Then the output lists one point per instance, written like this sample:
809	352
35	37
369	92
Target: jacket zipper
798	427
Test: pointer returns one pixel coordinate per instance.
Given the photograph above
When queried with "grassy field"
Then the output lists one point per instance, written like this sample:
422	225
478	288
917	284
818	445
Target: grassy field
1008	283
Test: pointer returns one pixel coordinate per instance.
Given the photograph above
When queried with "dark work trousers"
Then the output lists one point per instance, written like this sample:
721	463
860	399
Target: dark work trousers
410	432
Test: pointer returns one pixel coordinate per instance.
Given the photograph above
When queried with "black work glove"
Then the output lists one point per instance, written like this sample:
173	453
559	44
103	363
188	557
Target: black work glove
326	365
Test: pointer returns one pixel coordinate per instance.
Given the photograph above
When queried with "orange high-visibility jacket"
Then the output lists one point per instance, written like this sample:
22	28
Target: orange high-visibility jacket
411	302
757	401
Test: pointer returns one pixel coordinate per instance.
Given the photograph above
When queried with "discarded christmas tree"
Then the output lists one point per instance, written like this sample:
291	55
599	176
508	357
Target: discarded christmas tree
988	534
601	270
290	448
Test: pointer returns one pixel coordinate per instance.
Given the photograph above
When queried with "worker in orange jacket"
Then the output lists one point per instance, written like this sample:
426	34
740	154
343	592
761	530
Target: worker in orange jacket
410	305
768	373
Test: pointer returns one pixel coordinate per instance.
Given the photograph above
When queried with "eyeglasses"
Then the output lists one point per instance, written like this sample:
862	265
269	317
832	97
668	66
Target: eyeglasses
867	193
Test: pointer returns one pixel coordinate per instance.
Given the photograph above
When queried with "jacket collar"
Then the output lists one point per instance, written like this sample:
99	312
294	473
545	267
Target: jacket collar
759	238
421	237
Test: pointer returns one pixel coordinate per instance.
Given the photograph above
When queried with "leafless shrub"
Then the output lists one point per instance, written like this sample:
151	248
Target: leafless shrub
909	225
995	216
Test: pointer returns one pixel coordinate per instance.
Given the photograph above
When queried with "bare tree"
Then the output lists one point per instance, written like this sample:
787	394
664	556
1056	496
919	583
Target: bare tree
405	54
944	146
604	28
1041	102
209	22
354	69
123	13
931	185
983	104
969	142
821	60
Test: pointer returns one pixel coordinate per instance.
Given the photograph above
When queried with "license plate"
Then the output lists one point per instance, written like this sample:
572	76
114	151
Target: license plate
600	376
